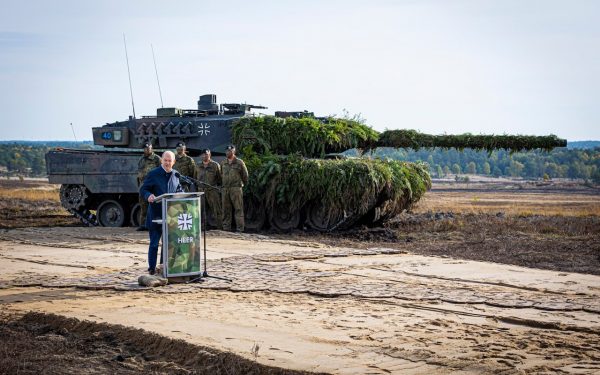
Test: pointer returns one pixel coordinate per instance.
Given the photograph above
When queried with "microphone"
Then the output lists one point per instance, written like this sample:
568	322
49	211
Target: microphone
184	178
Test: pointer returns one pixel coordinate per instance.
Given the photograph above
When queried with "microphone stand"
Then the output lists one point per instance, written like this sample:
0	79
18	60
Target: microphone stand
193	181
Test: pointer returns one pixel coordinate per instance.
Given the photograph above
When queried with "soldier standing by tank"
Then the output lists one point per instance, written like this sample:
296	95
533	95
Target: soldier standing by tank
209	172
147	162
235	175
184	164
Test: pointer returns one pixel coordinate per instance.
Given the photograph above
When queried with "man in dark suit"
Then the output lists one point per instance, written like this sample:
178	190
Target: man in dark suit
160	180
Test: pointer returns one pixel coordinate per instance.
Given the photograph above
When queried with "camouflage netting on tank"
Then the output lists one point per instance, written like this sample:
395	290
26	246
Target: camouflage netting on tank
338	193
415	140
353	186
307	136
314	138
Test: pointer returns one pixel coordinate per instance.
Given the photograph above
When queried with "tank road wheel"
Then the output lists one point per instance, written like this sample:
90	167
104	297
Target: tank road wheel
134	218
323	218
284	219
111	214
254	214
73	196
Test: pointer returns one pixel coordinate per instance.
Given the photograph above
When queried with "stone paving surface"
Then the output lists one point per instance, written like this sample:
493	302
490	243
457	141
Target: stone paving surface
309	272
375	310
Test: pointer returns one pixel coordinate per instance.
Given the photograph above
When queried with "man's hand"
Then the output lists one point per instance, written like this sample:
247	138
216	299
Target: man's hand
151	198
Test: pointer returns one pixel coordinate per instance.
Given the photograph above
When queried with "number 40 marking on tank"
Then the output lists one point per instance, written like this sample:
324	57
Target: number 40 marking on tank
203	128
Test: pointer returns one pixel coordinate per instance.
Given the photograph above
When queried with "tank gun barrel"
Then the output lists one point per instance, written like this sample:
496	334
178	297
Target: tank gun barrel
312	137
252	106
416	140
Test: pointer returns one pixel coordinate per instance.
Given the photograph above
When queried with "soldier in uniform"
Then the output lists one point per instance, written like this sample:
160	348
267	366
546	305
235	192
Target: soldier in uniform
184	164
209	172
235	175
147	162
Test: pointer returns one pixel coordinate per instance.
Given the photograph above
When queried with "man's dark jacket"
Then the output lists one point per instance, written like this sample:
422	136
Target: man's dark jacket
156	182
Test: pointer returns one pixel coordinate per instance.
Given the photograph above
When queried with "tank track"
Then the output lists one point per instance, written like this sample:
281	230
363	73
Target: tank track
85	216
73	199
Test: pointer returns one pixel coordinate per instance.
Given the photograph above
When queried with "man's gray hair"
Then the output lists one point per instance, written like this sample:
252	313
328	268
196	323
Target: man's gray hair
170	153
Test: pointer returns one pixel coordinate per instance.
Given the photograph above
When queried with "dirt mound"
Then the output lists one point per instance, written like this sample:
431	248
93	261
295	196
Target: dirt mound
51	344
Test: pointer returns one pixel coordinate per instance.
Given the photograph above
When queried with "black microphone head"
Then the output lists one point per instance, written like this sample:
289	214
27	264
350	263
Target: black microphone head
177	174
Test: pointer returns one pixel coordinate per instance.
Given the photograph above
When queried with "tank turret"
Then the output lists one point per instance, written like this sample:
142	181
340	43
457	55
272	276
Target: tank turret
209	126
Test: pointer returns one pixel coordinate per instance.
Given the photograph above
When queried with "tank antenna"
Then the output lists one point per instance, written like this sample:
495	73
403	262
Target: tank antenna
157	81
73	129
129	74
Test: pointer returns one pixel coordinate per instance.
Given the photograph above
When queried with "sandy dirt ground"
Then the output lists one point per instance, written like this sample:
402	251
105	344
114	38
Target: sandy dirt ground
486	277
313	306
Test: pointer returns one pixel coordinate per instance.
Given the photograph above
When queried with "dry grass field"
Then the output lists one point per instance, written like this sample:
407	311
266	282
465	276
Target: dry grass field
519	199
31	203
34	190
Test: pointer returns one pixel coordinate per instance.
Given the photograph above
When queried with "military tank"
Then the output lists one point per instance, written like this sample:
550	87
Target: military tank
299	177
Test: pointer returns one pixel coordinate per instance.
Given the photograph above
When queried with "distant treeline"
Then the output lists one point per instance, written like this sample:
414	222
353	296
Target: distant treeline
66	144
583	144
27	158
559	163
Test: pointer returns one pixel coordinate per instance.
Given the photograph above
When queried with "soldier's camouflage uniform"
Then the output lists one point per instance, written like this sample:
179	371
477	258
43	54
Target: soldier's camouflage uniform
235	175
186	166
145	165
211	174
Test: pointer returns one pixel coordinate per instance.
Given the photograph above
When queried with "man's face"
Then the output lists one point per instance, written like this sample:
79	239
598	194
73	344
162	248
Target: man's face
167	162
147	151
180	150
206	157
230	153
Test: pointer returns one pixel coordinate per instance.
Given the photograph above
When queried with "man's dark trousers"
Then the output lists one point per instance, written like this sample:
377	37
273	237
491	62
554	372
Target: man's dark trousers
155	231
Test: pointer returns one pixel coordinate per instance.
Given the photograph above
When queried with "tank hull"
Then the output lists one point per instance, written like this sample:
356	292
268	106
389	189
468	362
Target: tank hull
96	180
100	188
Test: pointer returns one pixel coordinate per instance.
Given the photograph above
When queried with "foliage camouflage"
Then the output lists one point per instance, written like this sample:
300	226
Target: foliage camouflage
314	138
349	186
282	157
308	136
415	140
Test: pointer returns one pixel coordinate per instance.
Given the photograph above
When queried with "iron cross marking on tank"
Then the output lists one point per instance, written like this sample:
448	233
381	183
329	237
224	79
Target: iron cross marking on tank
203	128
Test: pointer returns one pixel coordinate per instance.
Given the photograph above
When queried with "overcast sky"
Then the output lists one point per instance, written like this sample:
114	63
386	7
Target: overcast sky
438	66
